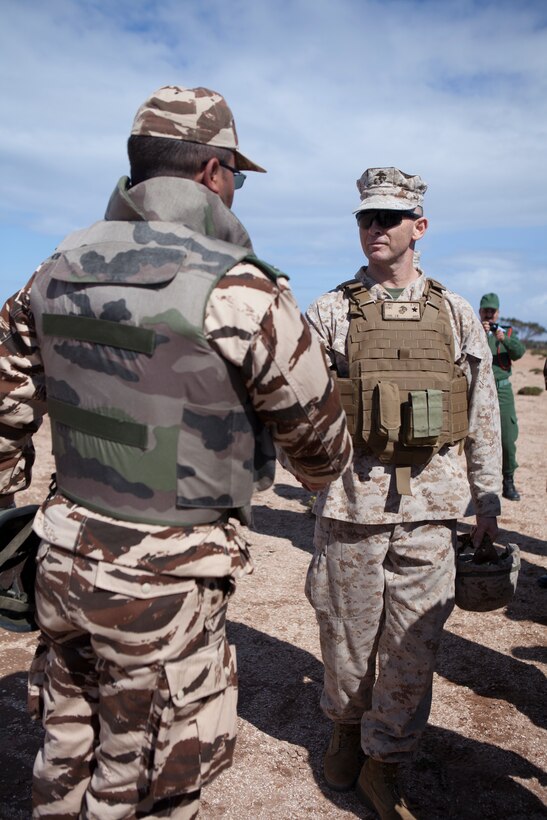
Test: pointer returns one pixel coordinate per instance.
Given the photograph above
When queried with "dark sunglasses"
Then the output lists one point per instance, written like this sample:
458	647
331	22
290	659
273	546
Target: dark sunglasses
239	178
385	219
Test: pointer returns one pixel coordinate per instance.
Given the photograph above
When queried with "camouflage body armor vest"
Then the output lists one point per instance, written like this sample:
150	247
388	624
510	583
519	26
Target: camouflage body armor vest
405	398
149	423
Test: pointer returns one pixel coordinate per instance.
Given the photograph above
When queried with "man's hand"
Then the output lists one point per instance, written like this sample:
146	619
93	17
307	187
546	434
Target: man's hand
486	525
499	334
7	501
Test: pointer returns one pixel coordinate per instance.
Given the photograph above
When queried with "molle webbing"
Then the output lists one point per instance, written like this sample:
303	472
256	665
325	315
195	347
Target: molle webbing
100	331
404	398
121	431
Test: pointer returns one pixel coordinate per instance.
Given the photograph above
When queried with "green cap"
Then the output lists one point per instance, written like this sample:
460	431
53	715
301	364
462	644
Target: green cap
490	300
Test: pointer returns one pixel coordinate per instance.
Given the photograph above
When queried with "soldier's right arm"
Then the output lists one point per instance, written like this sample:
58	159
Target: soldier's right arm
22	392
255	323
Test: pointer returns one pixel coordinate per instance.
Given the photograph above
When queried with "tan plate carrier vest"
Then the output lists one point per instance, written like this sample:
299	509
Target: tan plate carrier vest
405	398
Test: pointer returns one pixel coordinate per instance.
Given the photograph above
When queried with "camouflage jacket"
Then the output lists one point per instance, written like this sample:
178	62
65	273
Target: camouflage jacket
366	493
252	322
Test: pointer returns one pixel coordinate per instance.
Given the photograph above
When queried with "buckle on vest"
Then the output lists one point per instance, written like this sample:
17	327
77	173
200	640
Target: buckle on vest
401	311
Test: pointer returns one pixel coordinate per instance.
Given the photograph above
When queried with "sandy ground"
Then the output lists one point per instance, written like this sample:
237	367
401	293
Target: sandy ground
483	754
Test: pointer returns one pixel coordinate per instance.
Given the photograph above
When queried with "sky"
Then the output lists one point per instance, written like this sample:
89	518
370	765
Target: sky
453	90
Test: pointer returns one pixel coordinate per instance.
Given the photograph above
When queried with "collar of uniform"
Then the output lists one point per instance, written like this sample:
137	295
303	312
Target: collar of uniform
411	293
171	199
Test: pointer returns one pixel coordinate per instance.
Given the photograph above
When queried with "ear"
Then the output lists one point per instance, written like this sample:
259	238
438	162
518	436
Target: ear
209	175
419	228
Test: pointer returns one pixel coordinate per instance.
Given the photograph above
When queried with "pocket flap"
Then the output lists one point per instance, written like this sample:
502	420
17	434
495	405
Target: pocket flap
435	411
389	406
119	263
136	583
420	425
206	672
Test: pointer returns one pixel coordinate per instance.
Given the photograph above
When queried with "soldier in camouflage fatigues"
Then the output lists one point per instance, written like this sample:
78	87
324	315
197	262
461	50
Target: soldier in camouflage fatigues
171	362
382	577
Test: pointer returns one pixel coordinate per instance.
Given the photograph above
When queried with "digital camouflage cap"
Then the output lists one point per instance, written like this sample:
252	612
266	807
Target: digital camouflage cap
191	114
390	189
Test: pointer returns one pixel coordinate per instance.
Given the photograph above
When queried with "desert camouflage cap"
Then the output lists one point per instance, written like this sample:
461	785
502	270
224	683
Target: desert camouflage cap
191	114
390	189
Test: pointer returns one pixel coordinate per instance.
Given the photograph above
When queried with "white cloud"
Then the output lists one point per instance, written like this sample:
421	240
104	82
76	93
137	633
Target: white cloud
455	91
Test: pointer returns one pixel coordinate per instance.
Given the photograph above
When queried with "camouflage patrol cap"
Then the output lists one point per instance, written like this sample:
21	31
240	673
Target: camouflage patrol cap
191	114
390	189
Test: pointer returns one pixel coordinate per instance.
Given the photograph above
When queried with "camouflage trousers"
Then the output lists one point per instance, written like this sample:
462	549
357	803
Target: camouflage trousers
382	595
137	688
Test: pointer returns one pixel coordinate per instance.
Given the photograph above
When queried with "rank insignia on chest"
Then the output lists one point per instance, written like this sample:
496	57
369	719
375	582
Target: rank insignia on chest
401	311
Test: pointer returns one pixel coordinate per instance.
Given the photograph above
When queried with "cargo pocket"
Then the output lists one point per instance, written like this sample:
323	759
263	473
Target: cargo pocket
423	418
316	576
130	582
322	587
193	722
386	419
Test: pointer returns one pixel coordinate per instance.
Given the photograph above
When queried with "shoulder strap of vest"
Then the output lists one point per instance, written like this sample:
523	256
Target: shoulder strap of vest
350	284
433	295
359	298
270	271
434	290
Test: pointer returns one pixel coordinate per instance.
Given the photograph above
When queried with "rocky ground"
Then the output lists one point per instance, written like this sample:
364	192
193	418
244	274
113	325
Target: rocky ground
484	752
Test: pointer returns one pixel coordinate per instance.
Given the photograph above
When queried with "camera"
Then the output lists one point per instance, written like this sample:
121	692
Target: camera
493	327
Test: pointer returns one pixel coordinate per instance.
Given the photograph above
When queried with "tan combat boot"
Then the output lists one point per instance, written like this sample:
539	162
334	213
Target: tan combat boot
378	788
344	757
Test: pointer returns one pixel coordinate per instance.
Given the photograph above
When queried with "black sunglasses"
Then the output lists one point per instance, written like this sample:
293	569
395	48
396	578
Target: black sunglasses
385	219
239	178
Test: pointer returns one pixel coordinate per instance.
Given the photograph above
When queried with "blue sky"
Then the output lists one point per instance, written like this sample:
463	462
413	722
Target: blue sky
455	91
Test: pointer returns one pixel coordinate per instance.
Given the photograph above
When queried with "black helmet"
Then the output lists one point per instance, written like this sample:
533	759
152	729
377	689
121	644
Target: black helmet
486	578
18	547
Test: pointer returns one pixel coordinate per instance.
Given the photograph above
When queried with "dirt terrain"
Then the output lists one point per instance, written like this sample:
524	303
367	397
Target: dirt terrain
484	752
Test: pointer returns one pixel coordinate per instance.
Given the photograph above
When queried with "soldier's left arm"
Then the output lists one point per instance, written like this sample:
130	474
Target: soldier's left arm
511	342
483	443
22	394
256	324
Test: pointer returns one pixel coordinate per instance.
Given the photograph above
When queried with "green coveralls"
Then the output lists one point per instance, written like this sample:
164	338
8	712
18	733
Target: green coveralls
503	353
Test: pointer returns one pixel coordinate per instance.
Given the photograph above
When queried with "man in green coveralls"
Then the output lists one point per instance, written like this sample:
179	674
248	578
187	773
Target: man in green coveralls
506	348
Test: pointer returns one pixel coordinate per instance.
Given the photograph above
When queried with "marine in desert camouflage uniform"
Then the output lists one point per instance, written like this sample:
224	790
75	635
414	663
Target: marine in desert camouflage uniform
171	363
382	577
